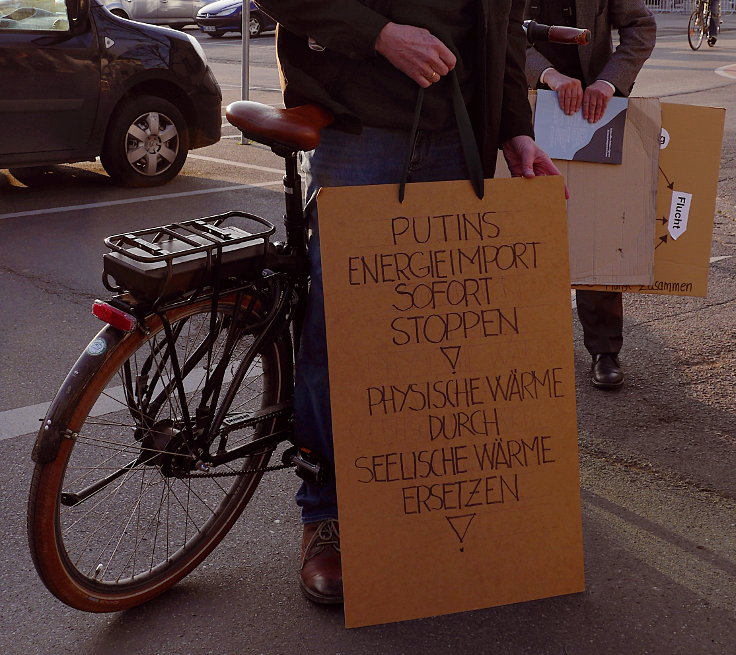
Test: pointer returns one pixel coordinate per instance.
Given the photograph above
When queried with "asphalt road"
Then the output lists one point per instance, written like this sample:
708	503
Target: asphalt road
657	458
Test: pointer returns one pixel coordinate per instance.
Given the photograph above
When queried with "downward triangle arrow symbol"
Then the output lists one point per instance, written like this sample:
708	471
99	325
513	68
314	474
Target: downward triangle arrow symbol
460	525
452	354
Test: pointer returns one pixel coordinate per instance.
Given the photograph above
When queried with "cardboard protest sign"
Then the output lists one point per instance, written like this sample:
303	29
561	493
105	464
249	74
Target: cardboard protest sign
612	208
689	163
453	396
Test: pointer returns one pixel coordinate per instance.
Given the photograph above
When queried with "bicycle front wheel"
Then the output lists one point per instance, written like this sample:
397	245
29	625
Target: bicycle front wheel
696	29
121	514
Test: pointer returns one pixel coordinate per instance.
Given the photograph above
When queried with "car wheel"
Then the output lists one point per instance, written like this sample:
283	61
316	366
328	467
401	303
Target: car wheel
255	27
146	142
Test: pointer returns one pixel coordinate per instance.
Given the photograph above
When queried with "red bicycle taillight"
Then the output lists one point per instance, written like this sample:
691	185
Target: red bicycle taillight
114	316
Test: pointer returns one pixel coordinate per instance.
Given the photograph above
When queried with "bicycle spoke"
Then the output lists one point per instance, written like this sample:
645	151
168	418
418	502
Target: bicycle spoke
90	509
122	535
100	525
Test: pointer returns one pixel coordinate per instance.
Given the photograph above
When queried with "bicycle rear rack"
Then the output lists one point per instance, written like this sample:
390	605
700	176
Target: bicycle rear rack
172	260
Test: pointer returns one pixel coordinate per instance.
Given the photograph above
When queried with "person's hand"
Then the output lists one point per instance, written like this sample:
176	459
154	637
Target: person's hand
595	101
415	52
526	159
569	90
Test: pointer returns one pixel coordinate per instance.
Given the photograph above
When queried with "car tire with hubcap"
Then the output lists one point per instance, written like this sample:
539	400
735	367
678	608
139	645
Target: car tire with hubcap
146	143
255	27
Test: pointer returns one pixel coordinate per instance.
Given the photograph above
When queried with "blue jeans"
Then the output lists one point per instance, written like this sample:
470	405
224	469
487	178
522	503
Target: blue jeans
376	156
715	12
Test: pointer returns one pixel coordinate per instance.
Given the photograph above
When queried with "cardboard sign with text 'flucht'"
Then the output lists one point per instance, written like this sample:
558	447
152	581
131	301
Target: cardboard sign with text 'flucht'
453	396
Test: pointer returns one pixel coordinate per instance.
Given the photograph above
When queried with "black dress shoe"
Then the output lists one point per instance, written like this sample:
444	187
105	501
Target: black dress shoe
606	371
321	571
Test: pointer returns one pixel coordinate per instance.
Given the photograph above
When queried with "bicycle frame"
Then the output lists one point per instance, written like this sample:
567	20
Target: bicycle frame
279	297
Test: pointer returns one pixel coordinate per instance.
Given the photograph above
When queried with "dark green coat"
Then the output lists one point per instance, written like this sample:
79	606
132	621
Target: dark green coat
348	29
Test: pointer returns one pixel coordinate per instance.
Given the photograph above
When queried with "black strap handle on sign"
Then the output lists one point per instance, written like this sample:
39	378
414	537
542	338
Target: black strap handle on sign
467	139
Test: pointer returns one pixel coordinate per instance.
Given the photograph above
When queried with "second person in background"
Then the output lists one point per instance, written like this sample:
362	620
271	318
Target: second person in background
585	78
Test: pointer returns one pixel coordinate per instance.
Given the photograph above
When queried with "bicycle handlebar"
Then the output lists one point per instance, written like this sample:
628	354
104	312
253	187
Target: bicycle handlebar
555	33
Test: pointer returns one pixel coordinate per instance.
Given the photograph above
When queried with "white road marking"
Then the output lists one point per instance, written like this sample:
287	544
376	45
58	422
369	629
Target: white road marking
727	71
24	420
27	420
131	201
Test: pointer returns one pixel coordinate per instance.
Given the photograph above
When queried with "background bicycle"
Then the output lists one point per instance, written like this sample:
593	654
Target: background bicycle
704	23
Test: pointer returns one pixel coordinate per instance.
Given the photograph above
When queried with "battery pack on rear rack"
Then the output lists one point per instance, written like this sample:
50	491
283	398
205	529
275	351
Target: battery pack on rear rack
180	258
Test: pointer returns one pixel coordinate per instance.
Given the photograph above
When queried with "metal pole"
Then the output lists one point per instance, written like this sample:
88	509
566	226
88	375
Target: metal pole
245	61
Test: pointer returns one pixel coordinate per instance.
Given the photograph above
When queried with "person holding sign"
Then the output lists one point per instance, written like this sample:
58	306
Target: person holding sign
451	69
585	78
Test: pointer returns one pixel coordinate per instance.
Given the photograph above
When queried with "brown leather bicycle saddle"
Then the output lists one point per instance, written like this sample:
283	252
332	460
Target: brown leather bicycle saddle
297	128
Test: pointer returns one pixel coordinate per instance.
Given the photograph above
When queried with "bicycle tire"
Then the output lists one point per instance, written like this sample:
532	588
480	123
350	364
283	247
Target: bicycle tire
140	535
695	29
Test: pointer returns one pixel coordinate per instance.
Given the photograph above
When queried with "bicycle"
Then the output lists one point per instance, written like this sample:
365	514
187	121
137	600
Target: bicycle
170	416
166	424
700	23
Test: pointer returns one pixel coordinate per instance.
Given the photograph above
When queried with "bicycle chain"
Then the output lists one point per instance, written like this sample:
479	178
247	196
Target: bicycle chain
230	474
265	469
278	413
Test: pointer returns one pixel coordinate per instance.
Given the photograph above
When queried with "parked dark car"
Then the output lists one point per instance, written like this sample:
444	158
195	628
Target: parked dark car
175	13
223	16
77	82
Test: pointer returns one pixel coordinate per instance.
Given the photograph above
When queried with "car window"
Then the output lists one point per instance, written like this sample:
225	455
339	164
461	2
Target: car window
33	15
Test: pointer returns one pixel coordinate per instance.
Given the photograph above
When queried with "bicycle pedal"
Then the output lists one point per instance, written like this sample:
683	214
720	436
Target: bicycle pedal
308	465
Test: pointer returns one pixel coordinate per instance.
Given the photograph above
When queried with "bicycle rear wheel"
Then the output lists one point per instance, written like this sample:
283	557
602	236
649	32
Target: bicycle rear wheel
144	530
696	28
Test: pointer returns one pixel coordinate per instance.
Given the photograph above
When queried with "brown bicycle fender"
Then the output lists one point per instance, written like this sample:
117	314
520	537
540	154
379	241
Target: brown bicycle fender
65	403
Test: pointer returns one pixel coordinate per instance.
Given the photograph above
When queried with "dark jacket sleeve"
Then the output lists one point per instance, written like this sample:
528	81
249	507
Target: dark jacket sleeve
348	27
516	114
536	64
637	32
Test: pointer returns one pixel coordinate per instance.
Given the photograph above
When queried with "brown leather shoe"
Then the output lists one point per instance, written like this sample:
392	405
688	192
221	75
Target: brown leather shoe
606	371
321	570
